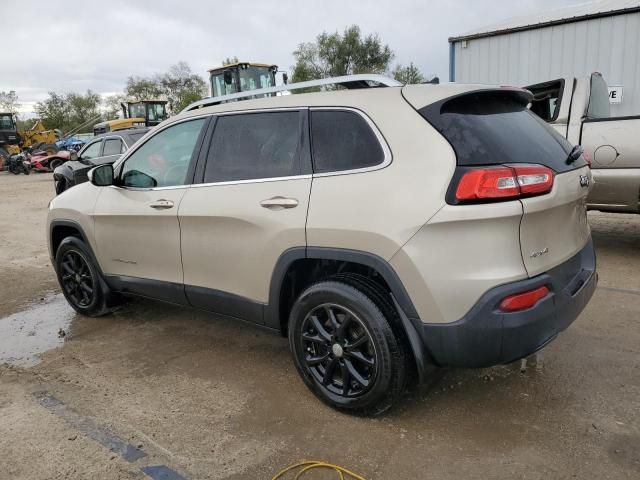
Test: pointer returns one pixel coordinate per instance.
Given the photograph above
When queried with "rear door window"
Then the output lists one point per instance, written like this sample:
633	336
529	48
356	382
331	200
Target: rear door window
343	140
251	146
496	127
112	146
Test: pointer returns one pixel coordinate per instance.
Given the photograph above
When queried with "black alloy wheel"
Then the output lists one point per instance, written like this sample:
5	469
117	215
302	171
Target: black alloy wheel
77	279
339	351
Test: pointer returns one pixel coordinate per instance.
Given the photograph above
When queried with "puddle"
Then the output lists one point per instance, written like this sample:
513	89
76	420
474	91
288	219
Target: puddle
27	334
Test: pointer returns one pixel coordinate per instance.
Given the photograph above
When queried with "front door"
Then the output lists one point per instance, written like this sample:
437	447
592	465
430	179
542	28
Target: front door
136	220
250	208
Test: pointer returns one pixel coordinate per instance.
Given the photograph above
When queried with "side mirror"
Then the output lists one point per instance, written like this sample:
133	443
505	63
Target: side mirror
228	77
73	156
102	175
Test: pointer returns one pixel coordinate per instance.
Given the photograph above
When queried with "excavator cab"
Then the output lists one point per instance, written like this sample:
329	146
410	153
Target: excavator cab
241	77
152	111
143	113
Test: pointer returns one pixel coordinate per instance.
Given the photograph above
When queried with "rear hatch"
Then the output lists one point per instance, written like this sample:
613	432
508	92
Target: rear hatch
492	130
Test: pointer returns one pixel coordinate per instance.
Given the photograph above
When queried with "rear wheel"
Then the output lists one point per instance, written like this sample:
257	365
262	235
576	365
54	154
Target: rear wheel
80	280
345	349
55	163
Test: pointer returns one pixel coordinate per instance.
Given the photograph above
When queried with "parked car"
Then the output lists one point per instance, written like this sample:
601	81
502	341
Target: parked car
578	108
45	162
383	230
102	149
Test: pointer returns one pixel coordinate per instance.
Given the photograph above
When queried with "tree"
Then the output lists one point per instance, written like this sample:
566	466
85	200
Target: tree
229	61
69	110
111	107
140	88
181	87
336	54
408	75
9	102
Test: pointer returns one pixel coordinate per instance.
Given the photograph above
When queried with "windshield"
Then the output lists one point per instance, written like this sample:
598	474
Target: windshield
252	78
157	112
219	88
136	110
6	122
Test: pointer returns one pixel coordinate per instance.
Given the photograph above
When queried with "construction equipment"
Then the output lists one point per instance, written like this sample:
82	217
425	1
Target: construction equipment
36	138
143	113
242	76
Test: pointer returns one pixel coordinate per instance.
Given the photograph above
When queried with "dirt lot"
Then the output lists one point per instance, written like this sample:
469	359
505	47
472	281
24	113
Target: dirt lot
182	394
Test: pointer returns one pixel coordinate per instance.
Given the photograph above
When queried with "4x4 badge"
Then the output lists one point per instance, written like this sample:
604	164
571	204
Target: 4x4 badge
584	180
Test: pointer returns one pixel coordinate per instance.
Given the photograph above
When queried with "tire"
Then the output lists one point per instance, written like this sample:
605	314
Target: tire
60	185
77	273
15	170
55	163
359	345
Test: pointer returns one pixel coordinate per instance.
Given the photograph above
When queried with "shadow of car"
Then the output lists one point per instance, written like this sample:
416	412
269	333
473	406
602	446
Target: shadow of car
103	149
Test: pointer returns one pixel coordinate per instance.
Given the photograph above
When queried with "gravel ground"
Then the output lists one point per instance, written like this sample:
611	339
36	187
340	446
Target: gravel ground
193	395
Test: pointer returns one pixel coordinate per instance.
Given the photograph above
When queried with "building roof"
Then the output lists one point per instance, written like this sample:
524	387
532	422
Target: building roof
574	13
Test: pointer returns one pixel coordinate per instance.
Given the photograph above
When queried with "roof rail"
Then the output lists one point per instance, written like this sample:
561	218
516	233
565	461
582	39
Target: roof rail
347	81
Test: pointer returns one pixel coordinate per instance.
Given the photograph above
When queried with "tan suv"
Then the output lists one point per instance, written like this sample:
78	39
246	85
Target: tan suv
384	230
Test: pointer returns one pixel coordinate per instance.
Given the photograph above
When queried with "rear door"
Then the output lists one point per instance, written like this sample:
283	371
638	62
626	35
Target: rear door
495	127
250	208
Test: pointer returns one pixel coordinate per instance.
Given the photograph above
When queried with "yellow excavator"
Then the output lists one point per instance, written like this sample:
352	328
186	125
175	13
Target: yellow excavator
143	113
36	138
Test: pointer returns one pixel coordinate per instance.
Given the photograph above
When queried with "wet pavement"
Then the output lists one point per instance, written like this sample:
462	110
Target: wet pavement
35	330
160	390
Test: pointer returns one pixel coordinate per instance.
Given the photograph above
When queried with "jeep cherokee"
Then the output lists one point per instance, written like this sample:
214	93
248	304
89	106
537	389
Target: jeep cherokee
383	230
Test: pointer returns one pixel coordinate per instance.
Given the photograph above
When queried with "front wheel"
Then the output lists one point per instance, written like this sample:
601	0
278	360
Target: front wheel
345	349
79	278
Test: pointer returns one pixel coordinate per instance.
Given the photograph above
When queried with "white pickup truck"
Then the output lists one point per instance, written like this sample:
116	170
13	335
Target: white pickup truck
578	108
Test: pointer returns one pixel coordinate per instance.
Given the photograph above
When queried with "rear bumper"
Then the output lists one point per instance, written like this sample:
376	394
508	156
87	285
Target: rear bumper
486	336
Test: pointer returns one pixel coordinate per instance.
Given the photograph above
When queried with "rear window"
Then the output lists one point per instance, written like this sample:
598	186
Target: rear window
343	140
254	145
489	128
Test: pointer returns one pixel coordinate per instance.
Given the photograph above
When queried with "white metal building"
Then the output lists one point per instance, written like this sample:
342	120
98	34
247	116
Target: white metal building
601	36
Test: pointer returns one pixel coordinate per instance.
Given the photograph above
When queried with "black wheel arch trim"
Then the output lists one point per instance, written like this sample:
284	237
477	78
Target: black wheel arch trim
272	313
83	237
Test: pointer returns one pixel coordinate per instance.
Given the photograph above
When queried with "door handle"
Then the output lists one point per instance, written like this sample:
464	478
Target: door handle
161	204
279	203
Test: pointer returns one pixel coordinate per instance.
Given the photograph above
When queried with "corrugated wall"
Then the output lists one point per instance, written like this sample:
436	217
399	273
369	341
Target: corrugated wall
610	45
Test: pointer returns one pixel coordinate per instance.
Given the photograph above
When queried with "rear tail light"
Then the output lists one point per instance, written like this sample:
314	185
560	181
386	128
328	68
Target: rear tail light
503	182
524	300
587	157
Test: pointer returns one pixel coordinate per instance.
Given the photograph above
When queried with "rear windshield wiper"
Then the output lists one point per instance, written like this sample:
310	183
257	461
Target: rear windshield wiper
574	154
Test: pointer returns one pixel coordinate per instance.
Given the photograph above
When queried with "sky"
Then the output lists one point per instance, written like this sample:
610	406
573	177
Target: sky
72	46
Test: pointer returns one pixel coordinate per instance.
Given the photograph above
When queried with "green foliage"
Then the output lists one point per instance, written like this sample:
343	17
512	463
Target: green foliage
69	110
9	102
111	107
179	86
336	54
140	88
408	75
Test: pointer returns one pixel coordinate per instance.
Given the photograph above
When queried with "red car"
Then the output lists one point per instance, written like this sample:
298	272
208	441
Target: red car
42	162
